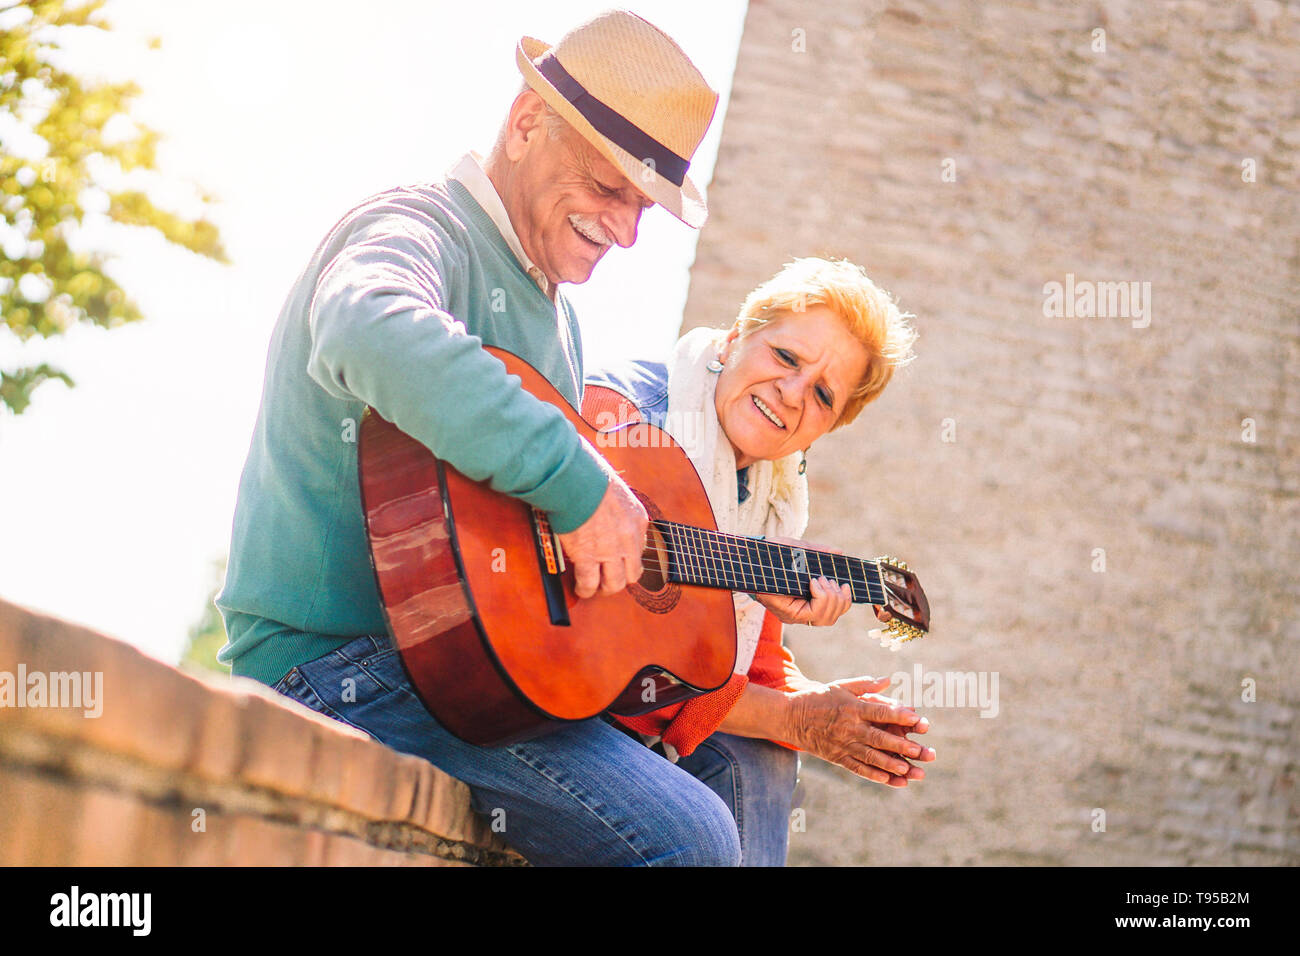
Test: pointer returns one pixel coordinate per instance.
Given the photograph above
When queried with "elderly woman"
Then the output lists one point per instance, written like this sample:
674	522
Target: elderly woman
810	348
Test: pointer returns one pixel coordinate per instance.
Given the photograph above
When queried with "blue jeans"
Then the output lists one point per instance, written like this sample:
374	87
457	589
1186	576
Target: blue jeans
587	794
756	780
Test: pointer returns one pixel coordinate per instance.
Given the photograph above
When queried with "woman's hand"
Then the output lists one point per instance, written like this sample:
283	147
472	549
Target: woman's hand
827	604
848	724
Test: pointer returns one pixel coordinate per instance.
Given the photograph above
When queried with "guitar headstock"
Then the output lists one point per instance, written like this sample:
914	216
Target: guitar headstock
905	601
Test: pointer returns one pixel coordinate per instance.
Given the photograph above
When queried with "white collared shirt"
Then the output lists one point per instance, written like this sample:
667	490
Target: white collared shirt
469	172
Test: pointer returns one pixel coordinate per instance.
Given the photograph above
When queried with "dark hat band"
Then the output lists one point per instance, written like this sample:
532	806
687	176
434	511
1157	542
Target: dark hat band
612	124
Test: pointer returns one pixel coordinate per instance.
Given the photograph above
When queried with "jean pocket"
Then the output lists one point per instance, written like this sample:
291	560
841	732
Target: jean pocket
296	687
289	680
384	668
368	659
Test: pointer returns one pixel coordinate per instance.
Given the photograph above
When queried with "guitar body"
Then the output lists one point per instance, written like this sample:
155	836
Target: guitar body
464	577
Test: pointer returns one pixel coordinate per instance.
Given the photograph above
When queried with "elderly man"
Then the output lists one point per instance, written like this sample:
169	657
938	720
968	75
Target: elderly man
392	312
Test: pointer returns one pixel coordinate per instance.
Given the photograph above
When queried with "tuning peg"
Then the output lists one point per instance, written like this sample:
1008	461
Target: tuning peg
902	565
898	632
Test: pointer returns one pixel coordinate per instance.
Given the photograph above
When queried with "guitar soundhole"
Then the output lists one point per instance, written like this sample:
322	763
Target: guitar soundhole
653	591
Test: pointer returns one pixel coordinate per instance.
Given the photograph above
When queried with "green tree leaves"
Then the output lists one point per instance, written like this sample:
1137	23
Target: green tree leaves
16	387
208	634
64	143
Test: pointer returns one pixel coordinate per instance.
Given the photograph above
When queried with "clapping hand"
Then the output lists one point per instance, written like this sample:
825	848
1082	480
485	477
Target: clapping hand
847	722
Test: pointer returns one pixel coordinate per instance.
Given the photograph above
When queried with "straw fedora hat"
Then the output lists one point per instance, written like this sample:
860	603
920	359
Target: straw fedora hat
634	95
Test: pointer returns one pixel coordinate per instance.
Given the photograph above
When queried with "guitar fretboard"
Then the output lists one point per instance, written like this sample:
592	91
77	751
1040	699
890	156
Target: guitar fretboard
753	565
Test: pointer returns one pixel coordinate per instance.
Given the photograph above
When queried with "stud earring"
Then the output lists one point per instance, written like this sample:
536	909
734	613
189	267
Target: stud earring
803	461
714	366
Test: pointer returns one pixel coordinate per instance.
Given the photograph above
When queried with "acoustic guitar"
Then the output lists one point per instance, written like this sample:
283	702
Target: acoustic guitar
481	605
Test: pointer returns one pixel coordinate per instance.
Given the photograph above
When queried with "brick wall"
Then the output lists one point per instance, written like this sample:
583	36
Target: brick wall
1119	690
177	770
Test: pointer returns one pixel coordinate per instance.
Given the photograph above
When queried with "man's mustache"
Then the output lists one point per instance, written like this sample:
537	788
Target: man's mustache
590	227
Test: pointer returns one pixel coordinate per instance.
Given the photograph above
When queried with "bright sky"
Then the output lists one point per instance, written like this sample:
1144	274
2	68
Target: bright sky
117	496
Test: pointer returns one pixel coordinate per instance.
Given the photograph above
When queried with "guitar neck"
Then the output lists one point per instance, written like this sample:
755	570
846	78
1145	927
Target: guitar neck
713	559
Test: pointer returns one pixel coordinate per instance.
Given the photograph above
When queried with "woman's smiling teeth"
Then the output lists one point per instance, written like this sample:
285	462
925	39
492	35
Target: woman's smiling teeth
771	415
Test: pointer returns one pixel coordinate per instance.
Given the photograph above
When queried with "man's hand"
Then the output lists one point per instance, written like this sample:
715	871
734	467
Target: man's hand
606	550
847	723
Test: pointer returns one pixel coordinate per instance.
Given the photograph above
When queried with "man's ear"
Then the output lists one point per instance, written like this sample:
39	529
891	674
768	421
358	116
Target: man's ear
525	124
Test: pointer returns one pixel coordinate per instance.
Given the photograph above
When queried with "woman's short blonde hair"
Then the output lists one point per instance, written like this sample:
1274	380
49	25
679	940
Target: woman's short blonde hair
866	310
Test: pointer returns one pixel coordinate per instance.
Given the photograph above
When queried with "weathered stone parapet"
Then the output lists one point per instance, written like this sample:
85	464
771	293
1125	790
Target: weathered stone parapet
181	770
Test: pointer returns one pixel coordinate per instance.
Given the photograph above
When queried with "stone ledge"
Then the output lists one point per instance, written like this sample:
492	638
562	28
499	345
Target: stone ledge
168	743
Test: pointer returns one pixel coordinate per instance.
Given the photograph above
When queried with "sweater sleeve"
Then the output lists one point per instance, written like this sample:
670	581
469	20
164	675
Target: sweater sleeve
380	334
773	664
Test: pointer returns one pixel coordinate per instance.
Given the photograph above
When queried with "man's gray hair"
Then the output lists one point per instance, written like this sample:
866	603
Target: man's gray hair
556	125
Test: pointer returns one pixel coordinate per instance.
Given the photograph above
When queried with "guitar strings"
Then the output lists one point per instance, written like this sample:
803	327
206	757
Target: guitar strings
740	566
741	562
701	538
706	538
704	535
736	563
712	554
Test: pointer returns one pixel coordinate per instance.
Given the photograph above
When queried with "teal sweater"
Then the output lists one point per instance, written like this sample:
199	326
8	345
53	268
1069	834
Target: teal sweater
391	312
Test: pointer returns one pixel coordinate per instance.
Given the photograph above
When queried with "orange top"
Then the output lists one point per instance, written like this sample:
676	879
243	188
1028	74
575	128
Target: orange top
684	726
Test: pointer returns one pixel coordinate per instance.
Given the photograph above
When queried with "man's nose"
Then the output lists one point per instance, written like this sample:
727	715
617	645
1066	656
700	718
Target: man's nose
621	220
